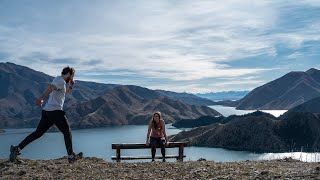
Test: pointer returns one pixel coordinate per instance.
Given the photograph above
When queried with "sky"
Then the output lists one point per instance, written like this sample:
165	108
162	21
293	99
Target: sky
183	46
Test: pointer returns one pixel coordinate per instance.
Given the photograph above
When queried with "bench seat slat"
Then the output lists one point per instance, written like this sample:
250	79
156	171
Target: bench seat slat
143	157
143	146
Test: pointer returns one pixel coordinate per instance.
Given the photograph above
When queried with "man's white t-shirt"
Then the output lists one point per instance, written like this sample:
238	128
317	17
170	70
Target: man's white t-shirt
57	97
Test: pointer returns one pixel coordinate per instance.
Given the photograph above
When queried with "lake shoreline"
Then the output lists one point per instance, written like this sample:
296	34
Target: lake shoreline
53	144
225	111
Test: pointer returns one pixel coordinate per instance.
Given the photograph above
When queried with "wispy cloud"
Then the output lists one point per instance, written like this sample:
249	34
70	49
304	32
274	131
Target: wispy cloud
173	43
295	55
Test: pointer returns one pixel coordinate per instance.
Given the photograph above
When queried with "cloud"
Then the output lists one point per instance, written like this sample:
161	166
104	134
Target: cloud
92	62
295	55
234	85
64	61
238	82
173	42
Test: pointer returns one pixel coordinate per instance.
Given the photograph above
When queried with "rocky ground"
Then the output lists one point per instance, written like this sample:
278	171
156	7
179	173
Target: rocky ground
93	168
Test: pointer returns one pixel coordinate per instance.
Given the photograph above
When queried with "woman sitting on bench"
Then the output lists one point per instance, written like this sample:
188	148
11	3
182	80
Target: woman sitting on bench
158	135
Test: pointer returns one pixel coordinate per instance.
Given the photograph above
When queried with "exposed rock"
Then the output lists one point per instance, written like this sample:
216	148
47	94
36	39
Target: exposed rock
202	159
21	173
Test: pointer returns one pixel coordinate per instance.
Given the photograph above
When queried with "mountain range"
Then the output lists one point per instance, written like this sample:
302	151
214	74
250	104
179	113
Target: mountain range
188	98
223	96
296	130
20	86
284	93
93	105
132	105
259	132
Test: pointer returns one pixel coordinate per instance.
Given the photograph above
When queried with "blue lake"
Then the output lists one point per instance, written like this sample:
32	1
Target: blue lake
227	111
97	143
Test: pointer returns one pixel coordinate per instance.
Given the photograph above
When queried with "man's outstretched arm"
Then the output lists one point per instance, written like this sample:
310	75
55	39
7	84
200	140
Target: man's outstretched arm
45	94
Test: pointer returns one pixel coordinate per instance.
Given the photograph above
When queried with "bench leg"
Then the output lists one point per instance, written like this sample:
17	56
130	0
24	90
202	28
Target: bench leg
118	154
181	153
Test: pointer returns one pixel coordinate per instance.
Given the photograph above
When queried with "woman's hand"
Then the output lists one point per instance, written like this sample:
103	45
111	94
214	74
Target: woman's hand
147	143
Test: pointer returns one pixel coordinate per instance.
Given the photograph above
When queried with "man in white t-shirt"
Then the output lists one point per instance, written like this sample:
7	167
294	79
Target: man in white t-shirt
52	114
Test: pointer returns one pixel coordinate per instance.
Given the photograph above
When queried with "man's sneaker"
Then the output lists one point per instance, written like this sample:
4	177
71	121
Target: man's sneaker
152	160
74	157
14	152
163	159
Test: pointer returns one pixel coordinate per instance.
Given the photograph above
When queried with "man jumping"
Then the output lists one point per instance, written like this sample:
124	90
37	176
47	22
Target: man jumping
52	114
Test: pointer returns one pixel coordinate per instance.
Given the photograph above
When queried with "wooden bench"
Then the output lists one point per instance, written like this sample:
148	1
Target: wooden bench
118	148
